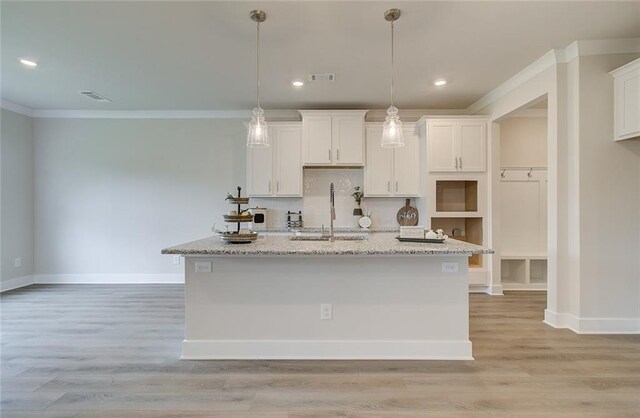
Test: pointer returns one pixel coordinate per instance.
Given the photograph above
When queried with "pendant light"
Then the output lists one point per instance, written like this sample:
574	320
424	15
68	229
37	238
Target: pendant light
258	136
392	126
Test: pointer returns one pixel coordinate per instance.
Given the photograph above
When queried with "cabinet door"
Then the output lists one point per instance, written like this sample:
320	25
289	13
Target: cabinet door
260	168
472	146
288	160
316	137
627	106
379	164
441	150
407	165
348	140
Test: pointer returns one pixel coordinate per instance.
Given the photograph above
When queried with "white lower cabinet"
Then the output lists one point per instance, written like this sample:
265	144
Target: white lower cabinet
391	172
277	171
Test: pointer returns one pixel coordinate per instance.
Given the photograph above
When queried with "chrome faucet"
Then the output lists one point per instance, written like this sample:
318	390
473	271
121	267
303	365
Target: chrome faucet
332	214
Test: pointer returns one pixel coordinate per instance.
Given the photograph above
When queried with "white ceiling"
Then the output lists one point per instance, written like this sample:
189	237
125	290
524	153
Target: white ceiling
201	55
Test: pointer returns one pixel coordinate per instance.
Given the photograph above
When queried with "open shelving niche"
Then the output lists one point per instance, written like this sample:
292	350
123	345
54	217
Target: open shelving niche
458	210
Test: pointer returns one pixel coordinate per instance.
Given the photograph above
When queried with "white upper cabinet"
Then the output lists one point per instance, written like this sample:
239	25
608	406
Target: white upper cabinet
456	145
406	164
333	137
391	171
441	150
288	160
316	133
472	145
627	101
277	171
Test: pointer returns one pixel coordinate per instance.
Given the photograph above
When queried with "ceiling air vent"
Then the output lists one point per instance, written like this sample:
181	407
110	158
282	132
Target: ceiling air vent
93	95
322	77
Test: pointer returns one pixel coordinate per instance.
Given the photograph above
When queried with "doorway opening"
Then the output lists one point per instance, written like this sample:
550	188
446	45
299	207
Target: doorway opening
523	197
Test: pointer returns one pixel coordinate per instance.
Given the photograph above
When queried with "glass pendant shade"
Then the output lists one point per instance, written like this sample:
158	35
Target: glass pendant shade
258	136
392	130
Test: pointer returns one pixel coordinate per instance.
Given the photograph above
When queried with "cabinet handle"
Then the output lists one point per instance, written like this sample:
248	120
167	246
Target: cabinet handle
456	160
277	186
396	185
388	186
338	154
269	186
460	163
329	154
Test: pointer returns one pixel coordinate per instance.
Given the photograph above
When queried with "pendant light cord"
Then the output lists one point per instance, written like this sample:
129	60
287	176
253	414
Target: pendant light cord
258	64
392	91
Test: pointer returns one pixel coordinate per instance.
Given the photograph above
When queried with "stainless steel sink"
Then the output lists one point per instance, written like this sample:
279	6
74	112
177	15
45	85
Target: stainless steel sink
326	238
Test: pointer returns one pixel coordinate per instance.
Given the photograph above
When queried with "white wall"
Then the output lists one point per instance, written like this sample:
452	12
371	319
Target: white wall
609	199
594	186
110	194
17	197
523	142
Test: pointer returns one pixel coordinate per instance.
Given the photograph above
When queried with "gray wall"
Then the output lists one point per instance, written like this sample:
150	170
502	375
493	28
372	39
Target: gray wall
111	193
16	196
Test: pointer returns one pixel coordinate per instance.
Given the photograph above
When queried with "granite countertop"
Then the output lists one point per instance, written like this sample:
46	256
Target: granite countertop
376	244
337	230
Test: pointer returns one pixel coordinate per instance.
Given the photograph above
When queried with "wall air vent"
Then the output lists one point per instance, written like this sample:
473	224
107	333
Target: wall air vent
322	77
93	95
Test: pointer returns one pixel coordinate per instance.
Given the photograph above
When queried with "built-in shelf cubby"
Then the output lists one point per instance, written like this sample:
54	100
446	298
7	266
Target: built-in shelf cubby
456	196
463	229
522	272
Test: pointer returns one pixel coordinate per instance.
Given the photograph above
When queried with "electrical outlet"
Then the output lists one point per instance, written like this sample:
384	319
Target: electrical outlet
326	311
176	259
450	267
17	262
203	267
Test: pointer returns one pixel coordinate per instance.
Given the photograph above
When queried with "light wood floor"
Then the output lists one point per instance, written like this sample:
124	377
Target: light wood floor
112	351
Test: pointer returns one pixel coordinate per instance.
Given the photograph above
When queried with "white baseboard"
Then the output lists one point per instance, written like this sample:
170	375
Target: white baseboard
592	325
108	278
326	350
16	283
494	290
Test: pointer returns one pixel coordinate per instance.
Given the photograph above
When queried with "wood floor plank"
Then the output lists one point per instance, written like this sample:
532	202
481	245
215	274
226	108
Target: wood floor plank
97	351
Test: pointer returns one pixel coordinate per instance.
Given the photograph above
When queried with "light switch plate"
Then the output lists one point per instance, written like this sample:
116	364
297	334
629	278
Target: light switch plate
450	267
203	267
17	262
176	259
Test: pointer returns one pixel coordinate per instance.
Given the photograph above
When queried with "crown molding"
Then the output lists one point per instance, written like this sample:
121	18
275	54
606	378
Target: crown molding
558	56
528	113
14	107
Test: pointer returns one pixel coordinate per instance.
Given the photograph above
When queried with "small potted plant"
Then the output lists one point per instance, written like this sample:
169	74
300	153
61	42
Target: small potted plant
357	196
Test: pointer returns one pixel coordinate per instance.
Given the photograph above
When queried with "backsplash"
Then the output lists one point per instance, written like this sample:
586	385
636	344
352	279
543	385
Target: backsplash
315	201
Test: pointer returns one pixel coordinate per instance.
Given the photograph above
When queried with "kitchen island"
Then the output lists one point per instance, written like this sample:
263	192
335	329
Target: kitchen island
373	298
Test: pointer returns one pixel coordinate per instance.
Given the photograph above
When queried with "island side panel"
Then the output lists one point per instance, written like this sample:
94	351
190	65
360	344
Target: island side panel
394	307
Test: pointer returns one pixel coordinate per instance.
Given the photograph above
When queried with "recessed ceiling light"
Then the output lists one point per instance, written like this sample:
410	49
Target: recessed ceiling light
28	63
440	82
297	83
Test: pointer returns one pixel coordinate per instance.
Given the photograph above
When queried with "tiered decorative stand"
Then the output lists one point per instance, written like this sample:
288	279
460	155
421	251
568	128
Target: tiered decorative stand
238	237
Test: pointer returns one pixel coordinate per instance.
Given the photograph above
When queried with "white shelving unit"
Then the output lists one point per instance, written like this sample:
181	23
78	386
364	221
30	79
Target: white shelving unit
524	224
455	186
